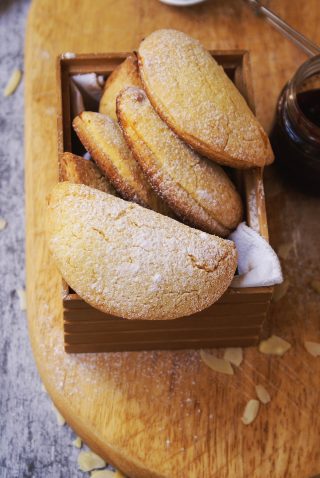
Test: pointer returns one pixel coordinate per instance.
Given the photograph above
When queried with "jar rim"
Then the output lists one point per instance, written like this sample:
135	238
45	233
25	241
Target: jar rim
308	69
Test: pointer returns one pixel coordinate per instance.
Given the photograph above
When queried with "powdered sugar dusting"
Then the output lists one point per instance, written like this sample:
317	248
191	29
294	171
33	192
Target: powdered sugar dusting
98	242
193	94
195	188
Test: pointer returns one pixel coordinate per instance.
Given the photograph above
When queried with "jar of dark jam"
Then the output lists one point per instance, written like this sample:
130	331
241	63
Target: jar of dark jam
295	136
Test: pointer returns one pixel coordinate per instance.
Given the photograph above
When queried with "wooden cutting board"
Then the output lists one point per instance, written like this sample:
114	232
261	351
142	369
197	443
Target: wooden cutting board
165	414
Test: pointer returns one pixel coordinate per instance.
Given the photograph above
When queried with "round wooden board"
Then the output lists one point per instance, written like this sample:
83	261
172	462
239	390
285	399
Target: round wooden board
165	414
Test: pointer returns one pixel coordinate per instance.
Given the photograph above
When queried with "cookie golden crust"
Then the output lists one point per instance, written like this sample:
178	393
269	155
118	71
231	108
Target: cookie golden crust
126	74
195	188
191	92
102	137
132	262
78	170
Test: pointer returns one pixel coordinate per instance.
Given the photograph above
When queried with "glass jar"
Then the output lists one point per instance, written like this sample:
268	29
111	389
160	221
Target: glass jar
295	136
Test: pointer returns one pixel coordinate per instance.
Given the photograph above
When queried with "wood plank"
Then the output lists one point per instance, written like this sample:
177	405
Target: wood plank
149	412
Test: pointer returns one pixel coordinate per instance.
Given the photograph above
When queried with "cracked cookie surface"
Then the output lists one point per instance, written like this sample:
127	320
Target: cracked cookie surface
195	97
132	262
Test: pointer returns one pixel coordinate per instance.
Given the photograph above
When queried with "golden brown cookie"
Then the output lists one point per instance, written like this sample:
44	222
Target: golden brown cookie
78	170
102	137
126	74
132	262
195	97
195	188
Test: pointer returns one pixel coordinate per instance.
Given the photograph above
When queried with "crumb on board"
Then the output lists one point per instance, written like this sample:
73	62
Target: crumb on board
88	461
263	394
3	223
77	442
21	293
234	355
274	345
217	364
250	412
13	82
313	348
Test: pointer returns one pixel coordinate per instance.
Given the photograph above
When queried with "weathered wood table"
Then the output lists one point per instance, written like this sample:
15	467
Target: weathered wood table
165	414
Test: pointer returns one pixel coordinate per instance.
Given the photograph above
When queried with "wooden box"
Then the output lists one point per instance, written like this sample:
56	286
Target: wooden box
236	319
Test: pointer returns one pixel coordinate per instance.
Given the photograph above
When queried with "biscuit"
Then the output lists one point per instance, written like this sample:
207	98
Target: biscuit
195	97
195	188
132	262
102	137
126	74
78	170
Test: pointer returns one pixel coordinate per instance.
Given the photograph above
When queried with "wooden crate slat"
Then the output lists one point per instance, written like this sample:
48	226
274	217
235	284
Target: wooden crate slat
130	346
106	325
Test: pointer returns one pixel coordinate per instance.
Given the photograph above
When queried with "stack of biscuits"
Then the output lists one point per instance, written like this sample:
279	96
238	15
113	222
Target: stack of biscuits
138	231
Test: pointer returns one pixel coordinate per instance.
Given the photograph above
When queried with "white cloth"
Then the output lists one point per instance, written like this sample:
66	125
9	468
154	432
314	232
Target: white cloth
258	264
91	83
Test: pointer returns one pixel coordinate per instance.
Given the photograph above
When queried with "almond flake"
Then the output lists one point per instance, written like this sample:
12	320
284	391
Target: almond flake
61	421
118	474
22	298
284	250
313	348
77	442
103	474
262	394
280	290
233	355
87	461
315	284
217	364
13	83
274	345
250	412
3	223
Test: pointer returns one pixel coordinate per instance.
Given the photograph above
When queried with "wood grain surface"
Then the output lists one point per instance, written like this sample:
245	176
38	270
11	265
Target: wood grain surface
165	414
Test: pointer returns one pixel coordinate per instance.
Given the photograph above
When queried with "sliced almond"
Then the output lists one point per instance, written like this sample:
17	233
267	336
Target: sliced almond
3	223
61	421
262	394
250	412
313	348
77	442
280	290
13	83
104	474
274	345
217	364
22	298
315	284
284	250
87	461
233	355
118	474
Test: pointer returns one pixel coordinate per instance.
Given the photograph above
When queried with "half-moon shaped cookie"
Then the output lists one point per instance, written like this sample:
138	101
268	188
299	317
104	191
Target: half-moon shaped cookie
102	137
126	74
195	97
195	188
132	262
